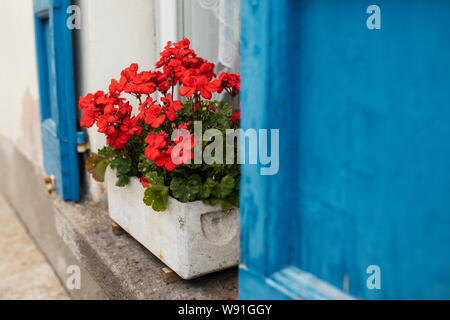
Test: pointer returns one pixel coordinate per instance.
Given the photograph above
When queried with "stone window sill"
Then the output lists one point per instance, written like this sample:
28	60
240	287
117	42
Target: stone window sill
121	266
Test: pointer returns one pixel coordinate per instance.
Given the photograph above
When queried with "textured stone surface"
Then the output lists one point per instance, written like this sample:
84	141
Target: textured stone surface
115	267
22	185
122	267
193	239
24	272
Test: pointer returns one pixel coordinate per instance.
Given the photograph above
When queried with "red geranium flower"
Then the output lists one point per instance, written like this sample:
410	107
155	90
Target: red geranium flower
130	125
197	84
184	143
164	160
145	182
229	81
236	117
106	124
180	66
171	107
151	113
155	143
153	116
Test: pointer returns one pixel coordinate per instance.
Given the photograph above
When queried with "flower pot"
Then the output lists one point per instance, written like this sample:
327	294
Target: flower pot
193	239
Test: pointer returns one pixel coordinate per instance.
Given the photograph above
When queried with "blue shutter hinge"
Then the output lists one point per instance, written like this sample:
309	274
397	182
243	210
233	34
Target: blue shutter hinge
49	184
82	144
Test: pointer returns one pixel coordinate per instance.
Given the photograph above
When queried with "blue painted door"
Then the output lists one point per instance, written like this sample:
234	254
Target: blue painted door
57	101
364	178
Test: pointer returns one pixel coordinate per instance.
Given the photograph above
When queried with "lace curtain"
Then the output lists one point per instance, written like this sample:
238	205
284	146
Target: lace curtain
214	29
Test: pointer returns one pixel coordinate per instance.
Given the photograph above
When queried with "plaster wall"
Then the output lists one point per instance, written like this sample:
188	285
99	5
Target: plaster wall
113	34
19	97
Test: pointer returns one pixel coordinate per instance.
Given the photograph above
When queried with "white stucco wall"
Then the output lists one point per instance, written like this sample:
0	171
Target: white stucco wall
19	98
113	34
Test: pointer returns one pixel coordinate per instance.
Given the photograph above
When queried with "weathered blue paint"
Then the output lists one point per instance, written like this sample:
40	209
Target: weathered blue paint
57	99
81	137
364	119
297	284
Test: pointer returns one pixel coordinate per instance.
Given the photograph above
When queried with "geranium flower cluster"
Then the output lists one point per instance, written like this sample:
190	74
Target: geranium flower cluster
112	115
112	112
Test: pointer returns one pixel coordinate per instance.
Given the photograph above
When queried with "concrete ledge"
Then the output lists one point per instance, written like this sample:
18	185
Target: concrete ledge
121	266
114	267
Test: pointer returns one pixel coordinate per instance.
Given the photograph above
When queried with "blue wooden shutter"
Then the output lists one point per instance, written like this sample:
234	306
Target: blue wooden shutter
364	175
57	100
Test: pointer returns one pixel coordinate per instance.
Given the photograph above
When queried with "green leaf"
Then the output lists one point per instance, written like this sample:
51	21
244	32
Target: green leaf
133	172
121	164
178	187
154	179
225	204
194	184
186	190
122	180
96	165
207	188
107	152
211	201
231	201
156	197
224	188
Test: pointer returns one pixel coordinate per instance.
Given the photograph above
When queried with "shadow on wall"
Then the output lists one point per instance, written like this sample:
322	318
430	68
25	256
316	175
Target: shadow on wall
29	141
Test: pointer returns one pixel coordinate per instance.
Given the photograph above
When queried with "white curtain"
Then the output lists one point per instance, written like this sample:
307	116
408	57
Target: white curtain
214	29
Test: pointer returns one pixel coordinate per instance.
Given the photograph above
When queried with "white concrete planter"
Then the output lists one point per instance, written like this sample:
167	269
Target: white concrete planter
192	238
